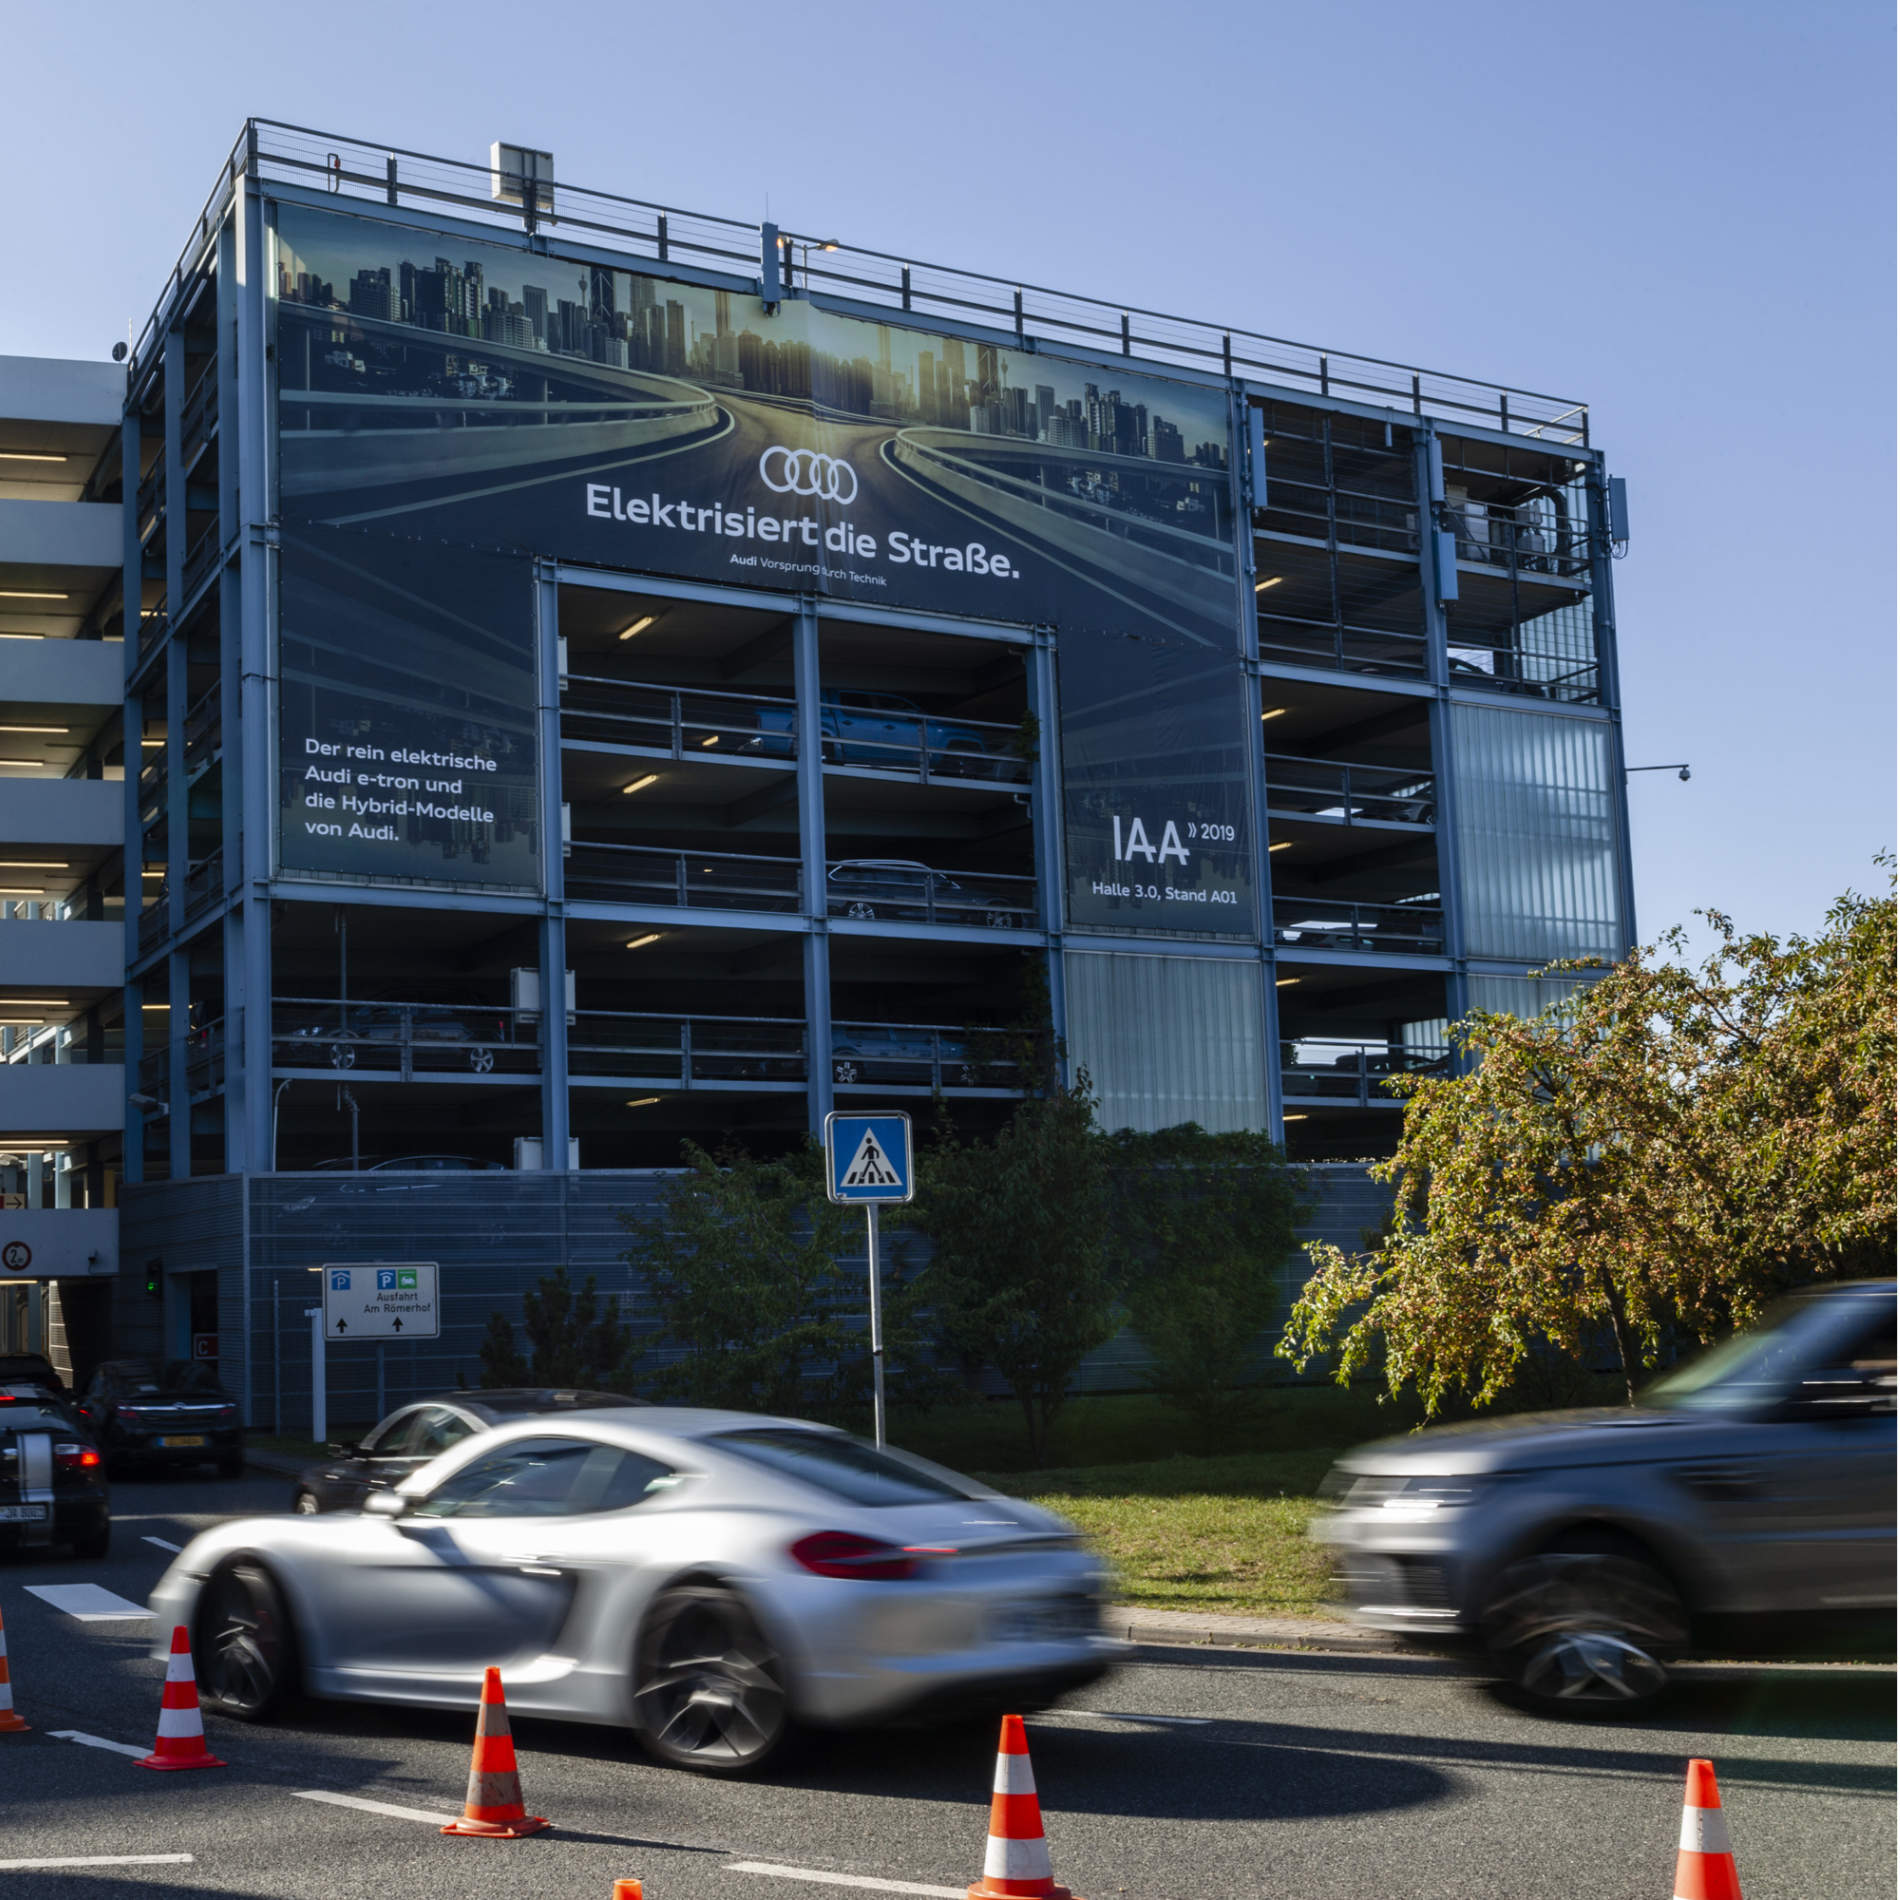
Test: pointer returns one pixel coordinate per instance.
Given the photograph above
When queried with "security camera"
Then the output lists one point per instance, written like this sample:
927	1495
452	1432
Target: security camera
119	352
1684	775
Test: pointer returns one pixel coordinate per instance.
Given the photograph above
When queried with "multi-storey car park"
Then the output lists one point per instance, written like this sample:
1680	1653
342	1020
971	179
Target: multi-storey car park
563	676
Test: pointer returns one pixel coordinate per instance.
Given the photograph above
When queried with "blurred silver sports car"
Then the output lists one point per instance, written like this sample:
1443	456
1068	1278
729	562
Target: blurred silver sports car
706	1578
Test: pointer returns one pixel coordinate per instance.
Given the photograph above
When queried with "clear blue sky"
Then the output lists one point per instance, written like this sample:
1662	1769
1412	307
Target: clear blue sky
1682	213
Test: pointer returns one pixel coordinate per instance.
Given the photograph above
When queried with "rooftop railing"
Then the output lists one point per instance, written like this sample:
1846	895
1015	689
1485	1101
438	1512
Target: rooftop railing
649	233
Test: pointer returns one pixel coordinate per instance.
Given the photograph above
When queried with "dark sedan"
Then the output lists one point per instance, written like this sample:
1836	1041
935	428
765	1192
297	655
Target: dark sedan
410	1436
145	1413
52	1476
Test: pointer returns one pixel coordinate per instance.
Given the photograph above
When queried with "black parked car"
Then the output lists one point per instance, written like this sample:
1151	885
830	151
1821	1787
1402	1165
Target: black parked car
30	1368
409	1437
177	1413
52	1476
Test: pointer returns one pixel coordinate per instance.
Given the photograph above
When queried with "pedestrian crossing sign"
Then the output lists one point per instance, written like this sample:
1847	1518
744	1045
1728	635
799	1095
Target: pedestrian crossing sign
867	1157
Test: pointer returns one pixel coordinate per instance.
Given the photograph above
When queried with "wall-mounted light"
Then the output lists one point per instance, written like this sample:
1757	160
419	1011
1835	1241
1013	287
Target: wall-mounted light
640	784
640	943
639	626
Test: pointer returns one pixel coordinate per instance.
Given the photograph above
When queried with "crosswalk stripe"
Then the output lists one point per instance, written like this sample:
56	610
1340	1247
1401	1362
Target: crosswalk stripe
89	1602
98	1860
819	1877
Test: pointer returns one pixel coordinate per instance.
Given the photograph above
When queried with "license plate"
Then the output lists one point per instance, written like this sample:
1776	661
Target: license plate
181	1444
1047	1620
22	1514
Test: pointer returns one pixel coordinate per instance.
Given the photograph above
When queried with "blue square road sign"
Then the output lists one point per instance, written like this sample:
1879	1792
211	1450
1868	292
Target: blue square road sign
867	1158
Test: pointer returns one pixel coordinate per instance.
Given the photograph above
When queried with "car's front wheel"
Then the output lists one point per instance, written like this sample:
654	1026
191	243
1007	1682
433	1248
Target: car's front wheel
1589	1624
709	1690
244	1648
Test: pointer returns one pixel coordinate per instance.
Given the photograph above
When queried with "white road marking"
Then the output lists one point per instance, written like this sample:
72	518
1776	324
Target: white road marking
823	1879
88	1601
161	1543
97	1741
379	1807
101	1860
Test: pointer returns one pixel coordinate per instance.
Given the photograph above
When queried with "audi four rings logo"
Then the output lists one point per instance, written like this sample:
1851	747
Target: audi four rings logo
805	472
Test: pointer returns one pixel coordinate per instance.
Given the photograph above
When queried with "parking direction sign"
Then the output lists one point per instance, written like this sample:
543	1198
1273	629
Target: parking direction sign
379	1299
867	1158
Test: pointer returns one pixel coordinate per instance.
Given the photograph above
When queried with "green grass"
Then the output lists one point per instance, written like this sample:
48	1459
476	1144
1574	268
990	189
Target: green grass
1224	1534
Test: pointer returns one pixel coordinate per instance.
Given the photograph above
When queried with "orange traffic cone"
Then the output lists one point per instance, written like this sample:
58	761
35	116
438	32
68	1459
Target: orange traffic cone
1016	1863
181	1728
493	1806
1705	1866
10	1724
628	1890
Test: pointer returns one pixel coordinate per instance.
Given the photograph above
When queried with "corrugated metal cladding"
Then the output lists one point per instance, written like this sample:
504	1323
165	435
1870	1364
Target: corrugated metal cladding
1536	834
1524	996
1168	1040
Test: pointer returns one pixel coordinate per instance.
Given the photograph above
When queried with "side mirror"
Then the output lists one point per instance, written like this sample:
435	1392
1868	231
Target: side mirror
385	1504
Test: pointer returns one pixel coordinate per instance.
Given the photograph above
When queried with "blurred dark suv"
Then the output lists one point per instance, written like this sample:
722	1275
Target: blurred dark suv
1745	1505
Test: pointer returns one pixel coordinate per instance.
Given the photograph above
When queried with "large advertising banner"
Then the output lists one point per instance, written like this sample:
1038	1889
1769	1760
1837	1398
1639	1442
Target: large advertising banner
406	711
496	397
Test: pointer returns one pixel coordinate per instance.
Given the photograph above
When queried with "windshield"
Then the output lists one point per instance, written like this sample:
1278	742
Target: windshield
848	1468
1756	1368
189	1375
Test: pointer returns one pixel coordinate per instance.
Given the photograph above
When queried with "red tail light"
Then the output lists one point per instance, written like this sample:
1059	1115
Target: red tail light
846	1554
71	1457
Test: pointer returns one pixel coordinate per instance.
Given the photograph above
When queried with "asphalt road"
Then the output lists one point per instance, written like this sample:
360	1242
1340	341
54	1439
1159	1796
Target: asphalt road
1191	1773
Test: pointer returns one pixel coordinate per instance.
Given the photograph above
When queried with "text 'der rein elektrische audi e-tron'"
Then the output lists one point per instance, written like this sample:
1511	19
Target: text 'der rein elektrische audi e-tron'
705	1578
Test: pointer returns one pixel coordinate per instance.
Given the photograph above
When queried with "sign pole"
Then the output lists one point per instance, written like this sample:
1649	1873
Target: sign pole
877	1331
319	1378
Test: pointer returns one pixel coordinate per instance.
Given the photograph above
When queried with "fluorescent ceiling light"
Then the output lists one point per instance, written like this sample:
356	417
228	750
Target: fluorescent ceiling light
22	761
34	864
22	890
639	626
1273	712
711	739
1260	587
35	728
644	1101
22	1022
1293	1118
640	784
154	1006
22	636
30	455
1284	982
1285	844
152	745
640	943
29	593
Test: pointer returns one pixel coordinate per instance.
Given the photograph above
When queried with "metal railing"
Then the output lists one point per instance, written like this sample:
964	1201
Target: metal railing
1341	649
151	498
405	1039
649	233
678	1051
200	414
204	731
929	1056
1325	516
1315	924
1344	794
680	721
869	889
204	882
155	916
692	880
1354	1072
920	745
200	561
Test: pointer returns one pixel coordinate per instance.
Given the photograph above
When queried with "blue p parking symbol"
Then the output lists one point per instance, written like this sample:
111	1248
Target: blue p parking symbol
340	1282
385	1279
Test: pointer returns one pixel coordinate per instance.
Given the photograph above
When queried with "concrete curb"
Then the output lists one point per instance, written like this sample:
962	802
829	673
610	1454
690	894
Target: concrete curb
1203	1629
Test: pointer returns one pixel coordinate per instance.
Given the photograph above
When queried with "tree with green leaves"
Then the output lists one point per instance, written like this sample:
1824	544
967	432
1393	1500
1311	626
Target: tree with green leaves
759	1284
1206	1224
575	1339
1649	1162
1023	1278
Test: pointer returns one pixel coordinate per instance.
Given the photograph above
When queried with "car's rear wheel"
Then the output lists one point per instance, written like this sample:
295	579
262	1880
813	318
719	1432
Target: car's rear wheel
244	1648
709	1690
1590	1624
